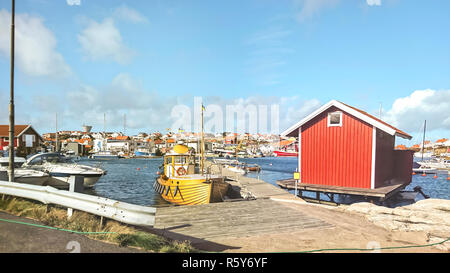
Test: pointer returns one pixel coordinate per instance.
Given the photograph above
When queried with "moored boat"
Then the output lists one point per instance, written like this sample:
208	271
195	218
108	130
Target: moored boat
104	155
22	175
181	184
61	168
285	153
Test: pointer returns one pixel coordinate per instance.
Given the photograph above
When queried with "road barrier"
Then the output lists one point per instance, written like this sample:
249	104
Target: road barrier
119	211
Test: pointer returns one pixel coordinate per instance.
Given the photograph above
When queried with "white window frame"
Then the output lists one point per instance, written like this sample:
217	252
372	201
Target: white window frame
340	119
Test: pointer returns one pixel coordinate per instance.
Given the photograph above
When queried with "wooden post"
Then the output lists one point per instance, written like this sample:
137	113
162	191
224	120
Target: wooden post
11	100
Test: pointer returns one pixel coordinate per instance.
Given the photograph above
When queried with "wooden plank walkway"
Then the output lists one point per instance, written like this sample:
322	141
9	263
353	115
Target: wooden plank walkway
234	219
382	192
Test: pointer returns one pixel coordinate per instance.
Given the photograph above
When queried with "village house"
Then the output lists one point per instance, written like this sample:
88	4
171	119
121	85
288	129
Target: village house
26	139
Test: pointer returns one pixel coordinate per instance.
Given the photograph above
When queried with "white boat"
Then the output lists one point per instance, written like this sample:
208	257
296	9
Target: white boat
104	155
236	168
425	155
422	169
22	175
61	169
442	164
225	161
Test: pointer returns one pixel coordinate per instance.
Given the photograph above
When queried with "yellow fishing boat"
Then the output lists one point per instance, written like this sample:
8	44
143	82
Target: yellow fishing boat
181	185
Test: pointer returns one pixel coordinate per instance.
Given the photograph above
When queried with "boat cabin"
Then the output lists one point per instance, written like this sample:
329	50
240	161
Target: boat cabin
39	159
179	161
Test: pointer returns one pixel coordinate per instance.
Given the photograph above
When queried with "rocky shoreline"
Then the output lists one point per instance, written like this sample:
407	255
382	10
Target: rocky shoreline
430	216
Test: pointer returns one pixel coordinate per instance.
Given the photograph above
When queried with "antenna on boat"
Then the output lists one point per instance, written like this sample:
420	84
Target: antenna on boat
11	102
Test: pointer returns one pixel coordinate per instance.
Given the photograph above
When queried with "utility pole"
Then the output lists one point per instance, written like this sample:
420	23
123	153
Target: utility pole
11	102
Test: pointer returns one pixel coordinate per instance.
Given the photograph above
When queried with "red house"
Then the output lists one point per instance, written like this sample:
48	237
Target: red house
26	139
342	146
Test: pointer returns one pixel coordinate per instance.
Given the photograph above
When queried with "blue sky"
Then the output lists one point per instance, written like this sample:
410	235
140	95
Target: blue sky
141	58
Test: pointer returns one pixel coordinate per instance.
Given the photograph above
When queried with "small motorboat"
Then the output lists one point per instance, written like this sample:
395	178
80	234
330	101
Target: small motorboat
252	167
418	168
104	155
236	168
61	168
22	175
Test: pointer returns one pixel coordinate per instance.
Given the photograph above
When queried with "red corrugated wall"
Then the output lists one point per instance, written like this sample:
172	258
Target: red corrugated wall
336	156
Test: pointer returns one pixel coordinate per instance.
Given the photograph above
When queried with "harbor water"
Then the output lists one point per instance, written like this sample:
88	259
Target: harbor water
131	180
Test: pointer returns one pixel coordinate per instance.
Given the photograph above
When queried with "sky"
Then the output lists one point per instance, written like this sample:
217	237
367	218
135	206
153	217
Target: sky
129	65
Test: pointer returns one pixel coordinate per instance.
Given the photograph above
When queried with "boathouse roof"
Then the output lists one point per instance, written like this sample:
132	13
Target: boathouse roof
378	123
18	130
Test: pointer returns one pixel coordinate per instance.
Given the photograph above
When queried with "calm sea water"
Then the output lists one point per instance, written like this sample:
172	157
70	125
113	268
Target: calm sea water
131	180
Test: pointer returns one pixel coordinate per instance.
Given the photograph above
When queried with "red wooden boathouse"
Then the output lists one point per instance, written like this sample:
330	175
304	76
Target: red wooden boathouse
342	146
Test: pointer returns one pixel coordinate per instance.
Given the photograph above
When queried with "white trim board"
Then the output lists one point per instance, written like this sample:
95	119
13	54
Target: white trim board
347	109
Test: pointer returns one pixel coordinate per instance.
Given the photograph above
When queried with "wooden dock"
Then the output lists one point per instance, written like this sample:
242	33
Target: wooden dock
233	219
258	212
382	193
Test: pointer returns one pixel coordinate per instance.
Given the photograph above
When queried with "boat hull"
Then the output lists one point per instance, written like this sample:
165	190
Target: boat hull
38	180
181	191
283	154
61	180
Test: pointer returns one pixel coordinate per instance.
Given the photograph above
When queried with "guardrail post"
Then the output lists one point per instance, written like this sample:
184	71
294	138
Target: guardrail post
76	184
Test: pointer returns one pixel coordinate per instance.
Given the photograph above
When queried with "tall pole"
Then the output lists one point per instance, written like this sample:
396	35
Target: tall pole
423	140
381	109
56	127
201	147
124	123
11	102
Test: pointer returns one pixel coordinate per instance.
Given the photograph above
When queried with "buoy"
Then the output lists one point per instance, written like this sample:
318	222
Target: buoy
413	173
435	176
448	178
424	174
138	169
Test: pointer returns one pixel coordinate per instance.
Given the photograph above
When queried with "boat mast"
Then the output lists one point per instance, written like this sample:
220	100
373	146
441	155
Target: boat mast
201	145
56	135
423	140
11	102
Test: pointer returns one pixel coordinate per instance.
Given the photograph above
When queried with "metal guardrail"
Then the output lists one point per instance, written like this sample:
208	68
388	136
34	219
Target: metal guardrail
119	211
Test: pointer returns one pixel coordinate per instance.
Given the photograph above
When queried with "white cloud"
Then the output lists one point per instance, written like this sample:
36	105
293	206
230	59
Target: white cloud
409	113
102	41
128	14
309	8
73	2
373	2
35	46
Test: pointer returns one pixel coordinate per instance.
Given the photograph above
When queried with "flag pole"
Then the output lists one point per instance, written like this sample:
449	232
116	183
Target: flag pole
11	102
